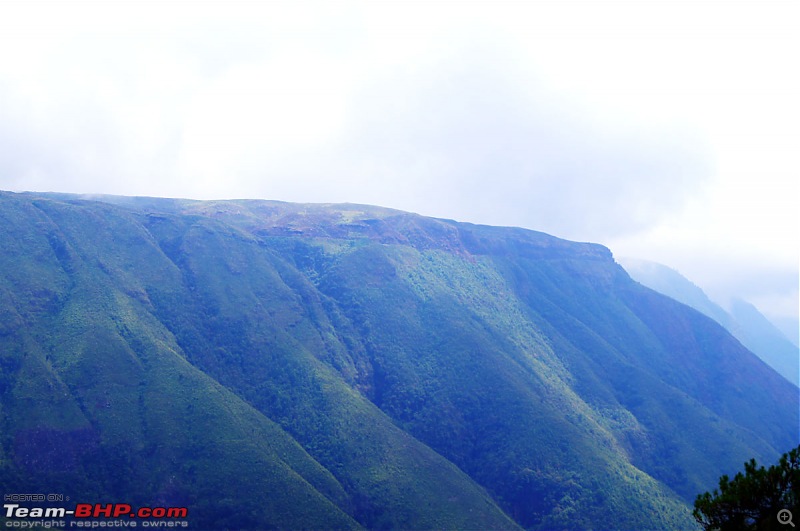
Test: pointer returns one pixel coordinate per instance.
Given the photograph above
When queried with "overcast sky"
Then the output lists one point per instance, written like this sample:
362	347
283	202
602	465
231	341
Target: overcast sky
665	130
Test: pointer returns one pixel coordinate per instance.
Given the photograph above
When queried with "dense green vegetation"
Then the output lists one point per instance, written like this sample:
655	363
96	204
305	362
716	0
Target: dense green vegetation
318	366
761	498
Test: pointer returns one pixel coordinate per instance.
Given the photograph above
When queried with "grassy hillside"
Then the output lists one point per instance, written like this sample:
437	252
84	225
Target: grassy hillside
334	366
99	402
90	363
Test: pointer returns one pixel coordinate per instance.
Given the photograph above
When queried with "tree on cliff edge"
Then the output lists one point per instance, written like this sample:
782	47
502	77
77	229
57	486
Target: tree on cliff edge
753	500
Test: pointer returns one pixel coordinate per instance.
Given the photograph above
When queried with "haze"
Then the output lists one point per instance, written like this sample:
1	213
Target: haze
664	130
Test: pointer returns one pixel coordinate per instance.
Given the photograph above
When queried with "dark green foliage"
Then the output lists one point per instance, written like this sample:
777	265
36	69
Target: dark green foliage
753	500
317	366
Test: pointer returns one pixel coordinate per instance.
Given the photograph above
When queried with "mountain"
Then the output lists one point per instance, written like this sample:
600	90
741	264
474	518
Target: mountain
789	327
297	366
744	321
671	283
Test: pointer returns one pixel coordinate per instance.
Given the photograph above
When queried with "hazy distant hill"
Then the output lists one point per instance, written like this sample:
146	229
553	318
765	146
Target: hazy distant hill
343	366
744	321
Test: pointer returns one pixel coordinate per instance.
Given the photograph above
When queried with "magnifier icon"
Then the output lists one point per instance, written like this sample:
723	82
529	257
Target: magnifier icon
785	517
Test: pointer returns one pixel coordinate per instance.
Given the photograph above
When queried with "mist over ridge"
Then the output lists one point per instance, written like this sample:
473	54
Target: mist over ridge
743	320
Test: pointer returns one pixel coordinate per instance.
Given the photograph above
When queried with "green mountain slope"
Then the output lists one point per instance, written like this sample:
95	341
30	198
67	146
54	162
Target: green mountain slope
99	402
326	366
85	287
744	321
671	283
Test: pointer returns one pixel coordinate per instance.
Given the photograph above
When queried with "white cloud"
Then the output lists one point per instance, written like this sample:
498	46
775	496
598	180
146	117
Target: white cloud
664	129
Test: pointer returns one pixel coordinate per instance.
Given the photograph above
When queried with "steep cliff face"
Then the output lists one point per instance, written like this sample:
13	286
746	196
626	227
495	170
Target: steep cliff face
347	365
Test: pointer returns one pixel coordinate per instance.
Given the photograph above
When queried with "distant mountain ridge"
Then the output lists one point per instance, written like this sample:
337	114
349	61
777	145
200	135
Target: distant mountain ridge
303	366
744	320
